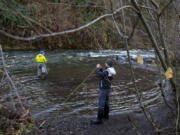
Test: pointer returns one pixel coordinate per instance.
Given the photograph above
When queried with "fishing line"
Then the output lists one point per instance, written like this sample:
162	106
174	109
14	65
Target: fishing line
71	94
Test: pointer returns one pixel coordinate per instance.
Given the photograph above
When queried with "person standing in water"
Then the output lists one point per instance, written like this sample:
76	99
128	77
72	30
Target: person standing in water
106	76
41	67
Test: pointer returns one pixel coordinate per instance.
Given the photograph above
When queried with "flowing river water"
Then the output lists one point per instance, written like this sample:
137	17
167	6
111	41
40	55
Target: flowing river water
67	69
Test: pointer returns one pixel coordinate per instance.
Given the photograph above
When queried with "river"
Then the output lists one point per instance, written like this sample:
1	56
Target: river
66	70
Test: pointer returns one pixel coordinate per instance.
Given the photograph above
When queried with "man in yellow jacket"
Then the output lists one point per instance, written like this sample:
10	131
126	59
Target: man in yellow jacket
41	67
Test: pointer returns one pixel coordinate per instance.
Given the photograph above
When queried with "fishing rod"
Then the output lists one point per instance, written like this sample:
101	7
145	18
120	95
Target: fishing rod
71	94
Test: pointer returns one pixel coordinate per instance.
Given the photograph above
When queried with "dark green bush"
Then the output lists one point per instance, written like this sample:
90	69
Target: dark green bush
9	17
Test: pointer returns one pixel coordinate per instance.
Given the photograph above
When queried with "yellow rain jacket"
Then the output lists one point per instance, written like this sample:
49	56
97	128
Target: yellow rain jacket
40	58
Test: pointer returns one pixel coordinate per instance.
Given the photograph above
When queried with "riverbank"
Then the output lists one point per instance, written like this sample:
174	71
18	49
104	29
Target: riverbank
116	125
124	123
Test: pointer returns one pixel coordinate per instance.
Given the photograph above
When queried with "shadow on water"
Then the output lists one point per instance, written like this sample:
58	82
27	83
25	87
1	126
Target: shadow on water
67	69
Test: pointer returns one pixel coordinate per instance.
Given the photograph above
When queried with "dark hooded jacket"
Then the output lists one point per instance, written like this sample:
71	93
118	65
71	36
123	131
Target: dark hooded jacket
106	77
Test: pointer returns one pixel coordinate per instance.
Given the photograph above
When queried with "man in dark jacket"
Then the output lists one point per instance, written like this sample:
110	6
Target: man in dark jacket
106	77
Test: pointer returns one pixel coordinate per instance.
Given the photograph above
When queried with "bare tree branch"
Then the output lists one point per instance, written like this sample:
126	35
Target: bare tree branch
161	87
155	4
146	7
154	42
133	30
63	32
166	53
138	94
134	125
117	27
10	80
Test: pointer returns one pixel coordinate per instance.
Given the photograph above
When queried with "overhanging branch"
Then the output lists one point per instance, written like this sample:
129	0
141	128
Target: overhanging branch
63	32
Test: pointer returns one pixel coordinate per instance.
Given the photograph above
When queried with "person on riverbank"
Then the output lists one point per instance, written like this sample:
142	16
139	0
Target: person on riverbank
106	76
41	67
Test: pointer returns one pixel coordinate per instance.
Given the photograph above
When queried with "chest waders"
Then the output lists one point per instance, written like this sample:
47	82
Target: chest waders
41	70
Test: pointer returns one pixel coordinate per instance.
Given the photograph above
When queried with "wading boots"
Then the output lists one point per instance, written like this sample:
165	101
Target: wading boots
99	118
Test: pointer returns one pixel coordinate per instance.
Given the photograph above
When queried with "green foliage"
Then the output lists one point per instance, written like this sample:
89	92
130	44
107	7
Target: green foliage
29	128
9	18
25	129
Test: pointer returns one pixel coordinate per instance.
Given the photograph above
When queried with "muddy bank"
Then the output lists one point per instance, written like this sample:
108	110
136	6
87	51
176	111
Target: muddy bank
116	125
125	123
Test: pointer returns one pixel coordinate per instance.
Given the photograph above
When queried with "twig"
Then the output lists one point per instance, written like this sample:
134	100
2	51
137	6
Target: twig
12	99
72	93
153	40
12	84
138	94
166	53
120	33
161	88
10	80
146	7
134	125
156	5
134	29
